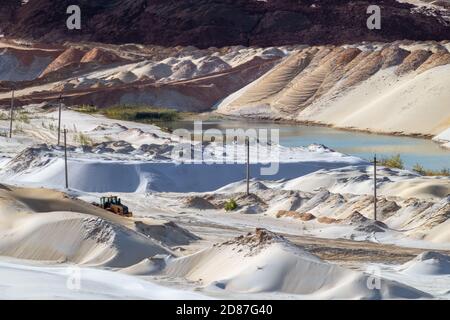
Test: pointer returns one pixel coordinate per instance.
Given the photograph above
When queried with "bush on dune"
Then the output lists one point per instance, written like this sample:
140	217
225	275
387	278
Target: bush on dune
85	108
428	172
392	162
231	205
137	113
140	113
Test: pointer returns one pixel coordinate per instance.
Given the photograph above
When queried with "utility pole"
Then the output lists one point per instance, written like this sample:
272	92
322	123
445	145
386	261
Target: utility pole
375	187
65	158
247	145
11	114
59	120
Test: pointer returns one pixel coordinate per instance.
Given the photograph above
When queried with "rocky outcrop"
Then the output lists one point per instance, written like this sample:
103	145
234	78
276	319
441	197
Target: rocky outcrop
206	23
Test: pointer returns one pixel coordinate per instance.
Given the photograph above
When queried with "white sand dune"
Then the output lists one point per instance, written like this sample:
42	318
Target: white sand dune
23	64
23	280
444	138
359	180
263	262
33	227
81	239
44	166
414	104
393	88
428	263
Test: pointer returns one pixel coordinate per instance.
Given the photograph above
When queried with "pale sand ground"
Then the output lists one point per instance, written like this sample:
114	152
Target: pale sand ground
50	228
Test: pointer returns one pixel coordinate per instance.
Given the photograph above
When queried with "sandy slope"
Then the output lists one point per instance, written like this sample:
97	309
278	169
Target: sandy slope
397	88
45	225
269	263
23	280
359	181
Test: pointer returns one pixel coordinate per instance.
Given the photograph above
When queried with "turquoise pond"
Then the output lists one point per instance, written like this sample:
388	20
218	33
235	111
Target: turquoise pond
364	145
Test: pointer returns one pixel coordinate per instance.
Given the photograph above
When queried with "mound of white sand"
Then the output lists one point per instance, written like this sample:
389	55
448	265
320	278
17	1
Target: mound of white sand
167	233
428	263
46	225
444	138
74	237
265	262
46	168
22	65
359	180
22	280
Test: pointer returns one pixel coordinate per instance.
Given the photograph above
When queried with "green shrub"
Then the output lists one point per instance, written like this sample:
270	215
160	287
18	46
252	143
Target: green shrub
392	162
140	113
52	127
83	139
22	116
428	172
85	108
4	116
231	205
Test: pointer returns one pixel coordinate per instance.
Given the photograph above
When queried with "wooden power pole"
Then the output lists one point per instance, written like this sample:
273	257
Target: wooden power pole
65	158
247	145
59	120
11	115
375	187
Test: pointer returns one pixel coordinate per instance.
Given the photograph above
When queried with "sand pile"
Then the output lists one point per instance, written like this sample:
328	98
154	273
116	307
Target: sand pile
364	224
23	65
196	202
265	262
77	238
45	225
168	233
32	157
303	216
428	263
358	180
113	147
353	88
100	56
53	282
69	57
250	204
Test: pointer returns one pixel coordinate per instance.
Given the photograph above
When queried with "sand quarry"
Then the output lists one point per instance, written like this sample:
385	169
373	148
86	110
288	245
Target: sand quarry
305	233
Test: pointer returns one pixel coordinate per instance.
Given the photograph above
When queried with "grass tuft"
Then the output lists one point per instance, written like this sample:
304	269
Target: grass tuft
392	162
140	113
429	172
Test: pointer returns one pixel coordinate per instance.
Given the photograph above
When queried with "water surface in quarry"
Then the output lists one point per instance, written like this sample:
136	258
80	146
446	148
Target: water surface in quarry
361	144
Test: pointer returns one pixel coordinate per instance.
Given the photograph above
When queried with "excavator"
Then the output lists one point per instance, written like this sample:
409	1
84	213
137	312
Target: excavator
114	205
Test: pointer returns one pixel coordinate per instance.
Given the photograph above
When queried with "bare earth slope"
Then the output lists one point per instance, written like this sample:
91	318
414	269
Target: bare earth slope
206	23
